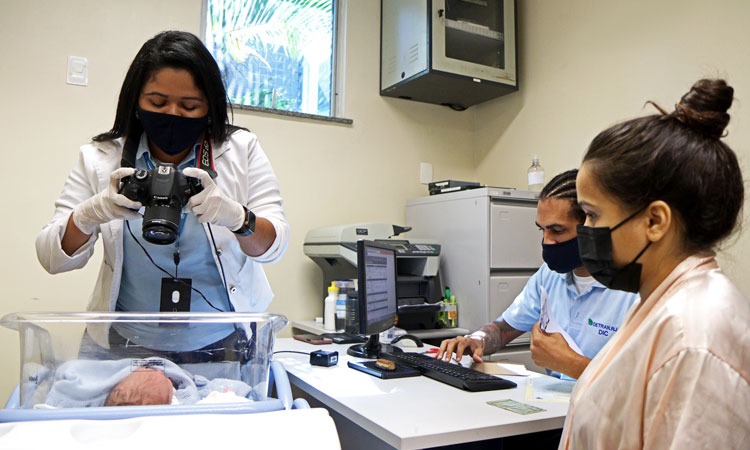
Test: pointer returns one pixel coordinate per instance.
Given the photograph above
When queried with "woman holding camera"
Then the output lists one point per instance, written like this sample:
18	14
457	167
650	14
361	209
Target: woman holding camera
172	110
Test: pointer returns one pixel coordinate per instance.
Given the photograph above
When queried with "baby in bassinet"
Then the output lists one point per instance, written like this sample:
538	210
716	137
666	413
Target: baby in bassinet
150	381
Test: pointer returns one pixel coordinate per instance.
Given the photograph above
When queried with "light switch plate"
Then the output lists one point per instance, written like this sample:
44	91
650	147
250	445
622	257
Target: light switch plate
78	70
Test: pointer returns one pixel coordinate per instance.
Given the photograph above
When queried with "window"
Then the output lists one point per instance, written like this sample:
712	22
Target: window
275	54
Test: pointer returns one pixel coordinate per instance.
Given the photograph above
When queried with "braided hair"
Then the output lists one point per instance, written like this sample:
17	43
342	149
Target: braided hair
563	186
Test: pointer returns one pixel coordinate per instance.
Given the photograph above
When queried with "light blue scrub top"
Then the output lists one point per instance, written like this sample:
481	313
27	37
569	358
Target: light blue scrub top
140	287
590	318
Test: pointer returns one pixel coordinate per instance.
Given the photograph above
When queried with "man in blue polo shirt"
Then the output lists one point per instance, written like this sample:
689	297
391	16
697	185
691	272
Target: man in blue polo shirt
583	308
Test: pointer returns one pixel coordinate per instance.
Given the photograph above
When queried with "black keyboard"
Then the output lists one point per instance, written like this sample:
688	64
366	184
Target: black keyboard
453	374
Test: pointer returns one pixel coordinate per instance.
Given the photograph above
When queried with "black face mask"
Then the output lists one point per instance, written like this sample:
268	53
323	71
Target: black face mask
595	246
562	257
172	134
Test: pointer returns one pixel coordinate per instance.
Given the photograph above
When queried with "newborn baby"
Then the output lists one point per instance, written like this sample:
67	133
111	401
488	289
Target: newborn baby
142	387
153	381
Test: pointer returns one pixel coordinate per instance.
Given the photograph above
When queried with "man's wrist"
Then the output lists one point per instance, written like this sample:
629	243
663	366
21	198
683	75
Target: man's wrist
478	335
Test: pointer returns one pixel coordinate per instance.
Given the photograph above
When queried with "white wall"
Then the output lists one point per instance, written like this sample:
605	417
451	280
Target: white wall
584	65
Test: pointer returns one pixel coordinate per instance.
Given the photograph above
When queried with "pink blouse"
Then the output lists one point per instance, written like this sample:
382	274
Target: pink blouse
677	373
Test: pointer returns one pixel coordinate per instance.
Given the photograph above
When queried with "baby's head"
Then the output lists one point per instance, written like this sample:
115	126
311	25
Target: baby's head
142	387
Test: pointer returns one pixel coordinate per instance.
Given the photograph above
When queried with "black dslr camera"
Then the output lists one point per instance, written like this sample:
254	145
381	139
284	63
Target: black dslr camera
164	191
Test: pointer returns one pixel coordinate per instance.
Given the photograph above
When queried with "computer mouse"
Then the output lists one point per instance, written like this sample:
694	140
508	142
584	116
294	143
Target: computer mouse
410	337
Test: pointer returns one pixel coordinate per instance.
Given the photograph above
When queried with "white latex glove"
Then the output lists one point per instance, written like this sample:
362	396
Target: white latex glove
107	205
212	205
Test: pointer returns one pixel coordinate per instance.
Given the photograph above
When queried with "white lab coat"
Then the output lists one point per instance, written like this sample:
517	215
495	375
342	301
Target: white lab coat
245	174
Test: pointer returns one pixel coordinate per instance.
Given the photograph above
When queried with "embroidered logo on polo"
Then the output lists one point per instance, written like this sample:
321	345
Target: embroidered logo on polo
602	328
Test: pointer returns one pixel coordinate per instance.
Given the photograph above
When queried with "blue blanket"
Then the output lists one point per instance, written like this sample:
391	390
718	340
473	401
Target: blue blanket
86	383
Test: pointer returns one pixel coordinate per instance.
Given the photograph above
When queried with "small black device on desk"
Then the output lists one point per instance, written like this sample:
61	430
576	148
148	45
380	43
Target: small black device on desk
455	375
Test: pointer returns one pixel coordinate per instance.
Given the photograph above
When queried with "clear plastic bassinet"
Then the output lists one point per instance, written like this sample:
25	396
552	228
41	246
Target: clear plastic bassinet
70	362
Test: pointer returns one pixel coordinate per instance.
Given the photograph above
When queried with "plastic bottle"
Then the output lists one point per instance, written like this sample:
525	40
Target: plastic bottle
535	175
443	314
452	312
329	310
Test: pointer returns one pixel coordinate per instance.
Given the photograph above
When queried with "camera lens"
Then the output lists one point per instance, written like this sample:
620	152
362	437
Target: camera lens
160	224
160	235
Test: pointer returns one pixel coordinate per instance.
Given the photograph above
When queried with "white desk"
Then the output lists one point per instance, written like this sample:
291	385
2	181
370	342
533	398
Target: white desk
408	413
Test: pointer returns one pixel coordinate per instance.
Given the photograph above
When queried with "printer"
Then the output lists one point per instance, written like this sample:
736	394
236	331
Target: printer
418	282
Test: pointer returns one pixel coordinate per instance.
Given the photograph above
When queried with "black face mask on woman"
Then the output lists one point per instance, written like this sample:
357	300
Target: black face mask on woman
595	246
171	133
562	257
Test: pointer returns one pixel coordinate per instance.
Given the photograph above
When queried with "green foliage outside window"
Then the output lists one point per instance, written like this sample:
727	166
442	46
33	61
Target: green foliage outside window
274	53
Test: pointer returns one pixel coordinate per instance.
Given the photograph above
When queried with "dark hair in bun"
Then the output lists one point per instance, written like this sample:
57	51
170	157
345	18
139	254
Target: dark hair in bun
677	157
705	107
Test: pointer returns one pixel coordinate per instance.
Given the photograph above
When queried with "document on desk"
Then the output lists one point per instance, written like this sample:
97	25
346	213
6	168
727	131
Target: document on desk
550	325
549	389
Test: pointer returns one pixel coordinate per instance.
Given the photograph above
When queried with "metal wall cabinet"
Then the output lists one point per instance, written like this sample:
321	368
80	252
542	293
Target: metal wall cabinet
449	52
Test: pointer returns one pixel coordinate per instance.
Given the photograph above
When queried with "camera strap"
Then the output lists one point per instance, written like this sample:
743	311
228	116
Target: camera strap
128	152
203	155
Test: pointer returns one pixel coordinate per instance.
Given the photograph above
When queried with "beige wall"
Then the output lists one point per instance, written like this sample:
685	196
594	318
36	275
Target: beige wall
584	64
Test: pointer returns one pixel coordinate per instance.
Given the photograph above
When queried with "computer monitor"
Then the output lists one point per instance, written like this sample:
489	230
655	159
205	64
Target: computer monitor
377	300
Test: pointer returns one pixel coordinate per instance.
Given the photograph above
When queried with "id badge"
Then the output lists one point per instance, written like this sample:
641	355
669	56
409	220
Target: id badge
175	294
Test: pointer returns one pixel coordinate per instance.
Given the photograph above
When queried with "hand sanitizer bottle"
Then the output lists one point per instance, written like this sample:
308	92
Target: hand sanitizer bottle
329	309
536	175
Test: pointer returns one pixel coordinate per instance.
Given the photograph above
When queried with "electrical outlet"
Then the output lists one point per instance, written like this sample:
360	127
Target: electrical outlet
425	173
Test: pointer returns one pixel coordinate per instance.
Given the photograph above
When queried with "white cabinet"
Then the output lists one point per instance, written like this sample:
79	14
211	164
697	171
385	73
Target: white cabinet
514	239
490	246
